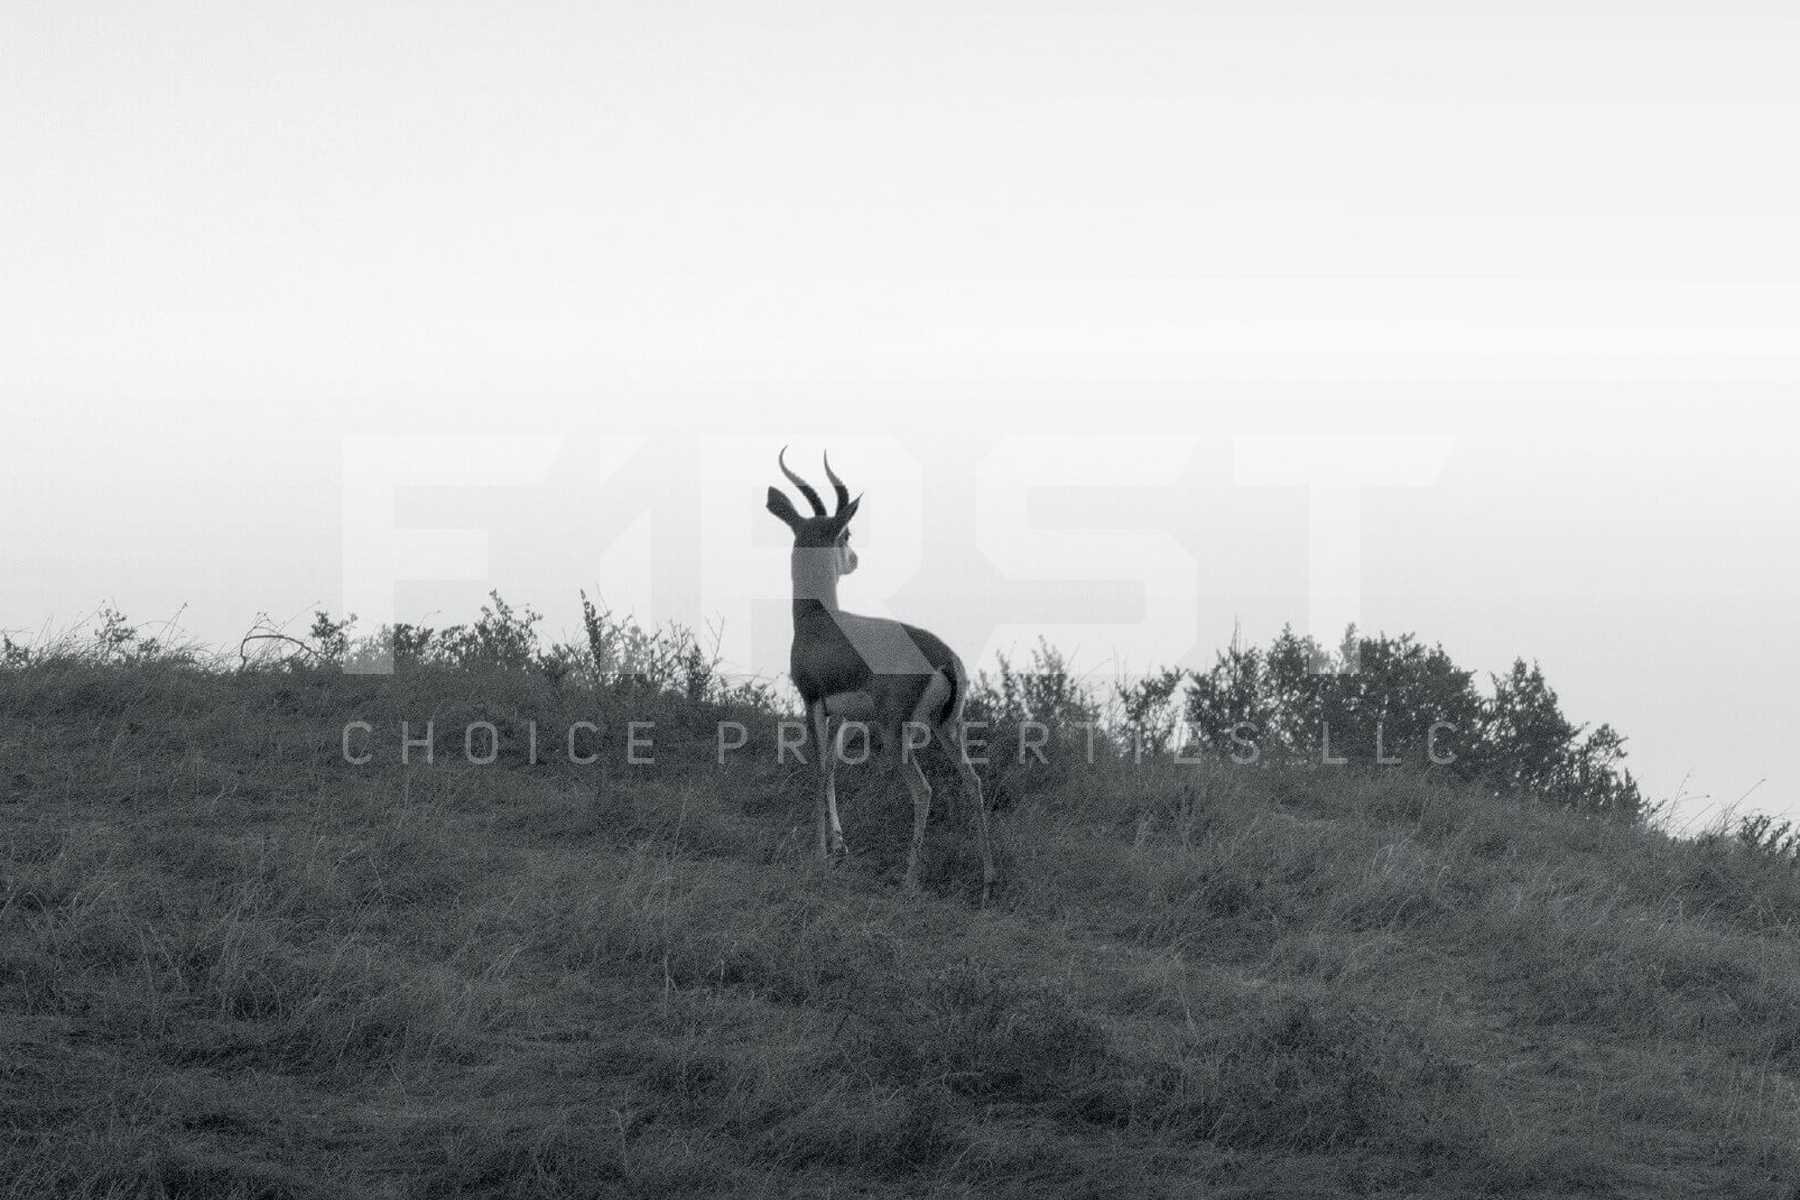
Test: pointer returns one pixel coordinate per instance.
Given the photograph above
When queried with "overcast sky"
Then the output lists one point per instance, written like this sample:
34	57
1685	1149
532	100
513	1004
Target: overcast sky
1045	280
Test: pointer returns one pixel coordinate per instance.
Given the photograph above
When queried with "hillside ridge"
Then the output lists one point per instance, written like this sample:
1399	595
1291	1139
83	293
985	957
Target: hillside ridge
233	964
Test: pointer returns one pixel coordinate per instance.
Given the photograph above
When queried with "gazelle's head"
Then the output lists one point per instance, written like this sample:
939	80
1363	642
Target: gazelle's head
822	540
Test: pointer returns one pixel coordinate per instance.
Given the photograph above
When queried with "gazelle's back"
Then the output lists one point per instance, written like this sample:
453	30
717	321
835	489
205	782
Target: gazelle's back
841	652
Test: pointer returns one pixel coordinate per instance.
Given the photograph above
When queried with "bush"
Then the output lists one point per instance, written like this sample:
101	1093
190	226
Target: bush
1408	701
1260	705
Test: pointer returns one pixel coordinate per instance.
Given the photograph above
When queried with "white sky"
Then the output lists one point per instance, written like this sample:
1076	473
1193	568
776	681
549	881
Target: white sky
668	239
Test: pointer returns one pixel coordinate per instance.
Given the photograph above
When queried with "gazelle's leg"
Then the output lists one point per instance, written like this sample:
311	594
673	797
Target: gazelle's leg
837	752
825	806
950	738
921	798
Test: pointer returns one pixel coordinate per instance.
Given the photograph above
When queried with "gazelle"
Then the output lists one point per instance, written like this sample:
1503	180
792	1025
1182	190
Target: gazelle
904	684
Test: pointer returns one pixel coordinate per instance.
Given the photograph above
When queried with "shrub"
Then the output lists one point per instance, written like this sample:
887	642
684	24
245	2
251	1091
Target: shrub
1392	693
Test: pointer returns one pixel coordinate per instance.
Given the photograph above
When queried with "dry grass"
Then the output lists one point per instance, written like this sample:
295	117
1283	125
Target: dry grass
233	966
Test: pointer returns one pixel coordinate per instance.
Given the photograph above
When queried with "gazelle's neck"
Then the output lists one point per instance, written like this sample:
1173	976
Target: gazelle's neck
815	576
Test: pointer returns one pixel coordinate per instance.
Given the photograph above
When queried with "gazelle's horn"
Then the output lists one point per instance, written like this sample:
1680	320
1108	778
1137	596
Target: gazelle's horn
812	497
843	493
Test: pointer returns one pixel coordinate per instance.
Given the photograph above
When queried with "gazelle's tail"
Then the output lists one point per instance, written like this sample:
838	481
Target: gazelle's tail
959	690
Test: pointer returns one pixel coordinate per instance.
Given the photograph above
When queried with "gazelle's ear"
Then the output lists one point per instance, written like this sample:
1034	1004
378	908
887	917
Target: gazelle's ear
782	507
849	510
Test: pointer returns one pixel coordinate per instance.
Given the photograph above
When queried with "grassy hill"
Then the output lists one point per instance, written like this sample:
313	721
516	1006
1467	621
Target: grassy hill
232	964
